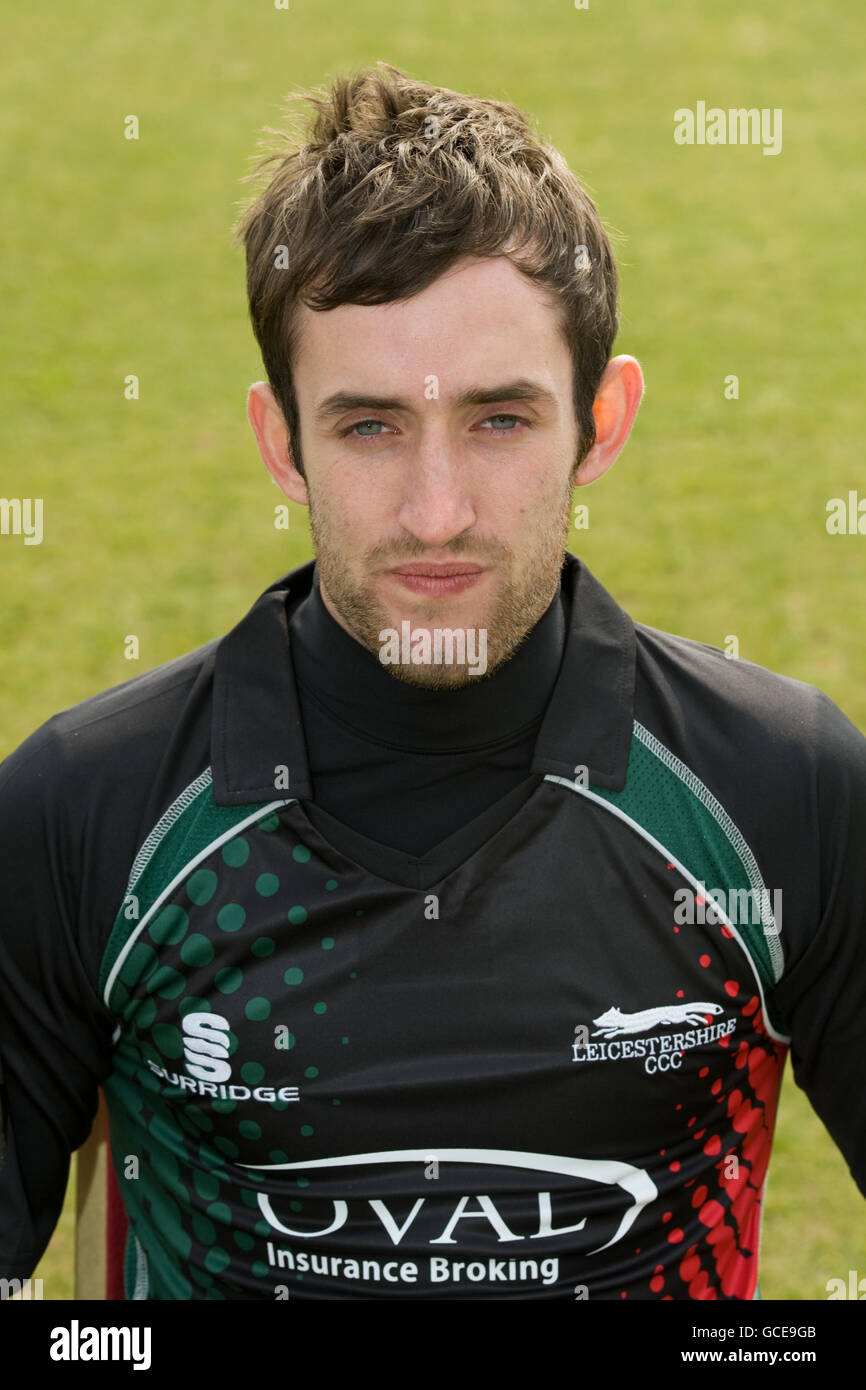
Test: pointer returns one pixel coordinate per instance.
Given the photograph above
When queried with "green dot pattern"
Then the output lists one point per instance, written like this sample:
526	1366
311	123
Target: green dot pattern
229	979
169	926
191	1188
201	886
145	1014
231	917
197	950
236	852
166	982
168	1039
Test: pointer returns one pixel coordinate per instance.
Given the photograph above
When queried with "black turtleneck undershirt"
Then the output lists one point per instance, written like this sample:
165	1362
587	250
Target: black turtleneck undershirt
408	767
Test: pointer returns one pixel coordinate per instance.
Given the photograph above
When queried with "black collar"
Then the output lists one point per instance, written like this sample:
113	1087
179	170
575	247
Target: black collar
341	679
257	738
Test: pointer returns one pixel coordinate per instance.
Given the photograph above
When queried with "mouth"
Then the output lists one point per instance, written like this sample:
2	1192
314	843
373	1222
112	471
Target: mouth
437	580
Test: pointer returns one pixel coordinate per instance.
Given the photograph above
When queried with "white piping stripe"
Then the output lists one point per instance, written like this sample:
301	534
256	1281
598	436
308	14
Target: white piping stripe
732	833
169	888
164	824
140	1288
671	858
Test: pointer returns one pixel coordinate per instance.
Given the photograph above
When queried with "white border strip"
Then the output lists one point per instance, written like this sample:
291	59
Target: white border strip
163	825
732	833
672	859
141	1287
170	887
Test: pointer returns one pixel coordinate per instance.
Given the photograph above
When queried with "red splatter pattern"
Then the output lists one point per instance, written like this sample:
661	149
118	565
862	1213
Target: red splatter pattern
725	1264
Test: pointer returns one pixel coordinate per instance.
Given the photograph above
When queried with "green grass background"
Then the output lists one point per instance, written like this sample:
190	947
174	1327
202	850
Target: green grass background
115	258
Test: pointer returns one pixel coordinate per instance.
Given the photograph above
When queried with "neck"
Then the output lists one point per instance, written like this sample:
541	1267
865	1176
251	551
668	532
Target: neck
353	686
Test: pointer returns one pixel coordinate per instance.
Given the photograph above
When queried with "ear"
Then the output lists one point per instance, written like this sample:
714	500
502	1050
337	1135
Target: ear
620	393
272	434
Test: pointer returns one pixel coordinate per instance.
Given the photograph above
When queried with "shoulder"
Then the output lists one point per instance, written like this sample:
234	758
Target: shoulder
738	708
780	757
114	729
788	769
78	797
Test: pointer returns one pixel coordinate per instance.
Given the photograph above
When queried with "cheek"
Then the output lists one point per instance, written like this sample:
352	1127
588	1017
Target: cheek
537	502
338	496
355	516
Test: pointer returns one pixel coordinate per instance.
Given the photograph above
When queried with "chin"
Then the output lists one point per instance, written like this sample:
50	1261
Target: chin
436	677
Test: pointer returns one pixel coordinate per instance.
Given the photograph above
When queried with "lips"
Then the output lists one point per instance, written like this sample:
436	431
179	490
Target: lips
437	571
437	581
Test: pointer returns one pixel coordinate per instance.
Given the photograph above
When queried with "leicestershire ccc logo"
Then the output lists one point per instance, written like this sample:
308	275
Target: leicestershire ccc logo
663	1052
614	1022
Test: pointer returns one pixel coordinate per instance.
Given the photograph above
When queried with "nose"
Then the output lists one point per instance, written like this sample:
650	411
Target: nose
436	506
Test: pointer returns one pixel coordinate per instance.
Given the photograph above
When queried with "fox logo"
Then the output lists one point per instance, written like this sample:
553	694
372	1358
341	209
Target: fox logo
206	1046
613	1023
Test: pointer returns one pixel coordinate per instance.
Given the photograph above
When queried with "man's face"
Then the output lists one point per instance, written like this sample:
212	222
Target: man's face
429	509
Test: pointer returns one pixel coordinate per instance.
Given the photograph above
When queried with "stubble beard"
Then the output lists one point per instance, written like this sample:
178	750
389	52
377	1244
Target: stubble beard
519	605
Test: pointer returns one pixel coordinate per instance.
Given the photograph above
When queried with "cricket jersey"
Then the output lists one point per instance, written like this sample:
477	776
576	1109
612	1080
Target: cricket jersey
536	1057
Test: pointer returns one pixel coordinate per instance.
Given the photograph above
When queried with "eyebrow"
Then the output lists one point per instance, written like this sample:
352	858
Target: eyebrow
522	389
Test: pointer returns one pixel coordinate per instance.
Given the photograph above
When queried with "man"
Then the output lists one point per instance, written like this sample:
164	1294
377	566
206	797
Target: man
426	931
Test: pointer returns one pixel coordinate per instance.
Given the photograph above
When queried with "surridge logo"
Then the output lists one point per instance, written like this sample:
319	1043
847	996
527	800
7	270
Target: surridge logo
206	1050
206	1046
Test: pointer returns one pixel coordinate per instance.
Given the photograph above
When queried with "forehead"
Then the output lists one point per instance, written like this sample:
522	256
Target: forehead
479	319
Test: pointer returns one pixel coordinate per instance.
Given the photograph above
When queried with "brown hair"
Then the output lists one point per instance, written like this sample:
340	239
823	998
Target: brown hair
399	180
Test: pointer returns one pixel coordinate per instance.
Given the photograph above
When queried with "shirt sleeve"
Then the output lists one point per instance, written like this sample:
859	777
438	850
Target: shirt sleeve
822	992
55	1034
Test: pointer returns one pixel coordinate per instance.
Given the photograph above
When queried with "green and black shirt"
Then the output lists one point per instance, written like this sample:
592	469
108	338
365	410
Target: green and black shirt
402	994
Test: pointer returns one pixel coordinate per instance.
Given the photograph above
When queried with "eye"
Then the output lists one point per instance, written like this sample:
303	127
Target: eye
359	425
501	433
374	429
